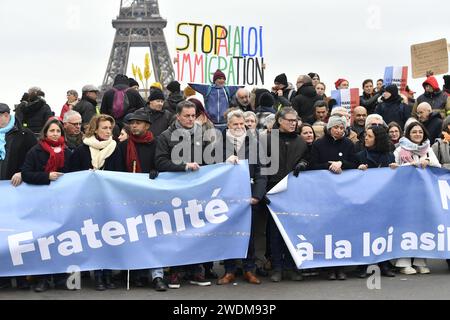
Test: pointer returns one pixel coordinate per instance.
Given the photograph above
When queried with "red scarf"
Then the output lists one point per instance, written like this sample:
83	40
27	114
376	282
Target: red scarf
56	160
132	156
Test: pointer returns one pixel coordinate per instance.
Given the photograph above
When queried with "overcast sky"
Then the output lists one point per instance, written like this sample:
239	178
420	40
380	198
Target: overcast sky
60	45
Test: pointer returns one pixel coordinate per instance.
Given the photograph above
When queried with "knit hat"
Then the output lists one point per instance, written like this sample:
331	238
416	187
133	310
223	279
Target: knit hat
133	82
188	92
335	121
120	79
4	108
446	82
338	82
174	86
157	85
156	95
393	90
219	75
266	100
258	94
281	79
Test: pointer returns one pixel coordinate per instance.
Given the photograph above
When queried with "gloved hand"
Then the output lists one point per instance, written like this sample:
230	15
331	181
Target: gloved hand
265	200
301	166
153	174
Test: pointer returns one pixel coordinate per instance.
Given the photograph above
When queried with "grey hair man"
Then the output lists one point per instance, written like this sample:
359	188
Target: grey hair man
72	127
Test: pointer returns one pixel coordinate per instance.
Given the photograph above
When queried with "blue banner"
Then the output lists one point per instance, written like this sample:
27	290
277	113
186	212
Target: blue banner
111	220
363	217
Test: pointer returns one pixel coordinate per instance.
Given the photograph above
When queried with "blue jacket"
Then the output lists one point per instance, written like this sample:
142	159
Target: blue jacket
217	102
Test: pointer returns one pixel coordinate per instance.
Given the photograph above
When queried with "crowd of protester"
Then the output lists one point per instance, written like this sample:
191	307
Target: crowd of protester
125	133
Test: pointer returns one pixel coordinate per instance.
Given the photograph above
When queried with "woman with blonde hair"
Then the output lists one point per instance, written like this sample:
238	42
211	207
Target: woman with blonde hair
98	152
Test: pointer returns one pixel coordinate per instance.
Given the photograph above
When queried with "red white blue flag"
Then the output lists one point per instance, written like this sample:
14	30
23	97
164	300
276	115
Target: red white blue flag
347	98
397	76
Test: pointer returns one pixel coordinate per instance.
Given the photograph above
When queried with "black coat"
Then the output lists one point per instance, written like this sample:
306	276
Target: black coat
81	160
369	102
87	108
160	120
394	110
18	142
34	115
303	103
374	159
327	149
146	154
292	149
33	170
172	101
434	126
259	181
134	98
165	145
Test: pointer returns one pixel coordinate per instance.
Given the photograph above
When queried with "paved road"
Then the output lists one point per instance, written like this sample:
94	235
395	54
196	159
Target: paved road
432	286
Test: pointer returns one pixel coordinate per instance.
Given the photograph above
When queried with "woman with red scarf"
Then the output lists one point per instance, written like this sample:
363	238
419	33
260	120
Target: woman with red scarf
46	162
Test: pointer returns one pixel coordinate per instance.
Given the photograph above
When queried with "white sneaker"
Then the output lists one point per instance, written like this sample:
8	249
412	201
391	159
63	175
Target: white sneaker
408	270
423	270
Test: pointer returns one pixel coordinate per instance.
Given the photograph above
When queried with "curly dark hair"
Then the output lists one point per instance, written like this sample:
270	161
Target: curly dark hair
382	140
414	124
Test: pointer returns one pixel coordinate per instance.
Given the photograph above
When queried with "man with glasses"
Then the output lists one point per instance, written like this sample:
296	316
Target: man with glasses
72	127
291	152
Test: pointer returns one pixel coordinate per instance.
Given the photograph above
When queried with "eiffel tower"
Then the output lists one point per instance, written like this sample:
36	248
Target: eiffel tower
139	24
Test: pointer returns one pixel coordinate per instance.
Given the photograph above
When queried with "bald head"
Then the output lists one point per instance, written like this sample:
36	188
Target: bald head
243	97
360	115
423	111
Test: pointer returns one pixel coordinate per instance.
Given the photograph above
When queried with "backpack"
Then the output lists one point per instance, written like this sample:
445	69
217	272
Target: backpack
227	93
120	102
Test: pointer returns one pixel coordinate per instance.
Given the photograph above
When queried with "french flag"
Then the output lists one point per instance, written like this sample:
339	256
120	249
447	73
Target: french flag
397	76
347	98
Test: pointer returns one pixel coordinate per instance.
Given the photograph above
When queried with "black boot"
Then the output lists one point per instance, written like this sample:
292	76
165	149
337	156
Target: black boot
42	286
109	282
99	284
386	269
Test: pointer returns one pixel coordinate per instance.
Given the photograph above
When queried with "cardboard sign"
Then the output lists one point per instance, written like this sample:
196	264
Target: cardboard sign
397	76
236	50
429	56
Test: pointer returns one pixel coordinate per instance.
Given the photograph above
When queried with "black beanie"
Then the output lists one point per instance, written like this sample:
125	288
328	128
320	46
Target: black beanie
446	82
121	79
393	90
266	100
133	82
174	86
156	95
258	94
282	79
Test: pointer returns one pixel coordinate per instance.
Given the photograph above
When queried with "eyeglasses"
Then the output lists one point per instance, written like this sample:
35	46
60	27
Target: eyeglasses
290	120
76	124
